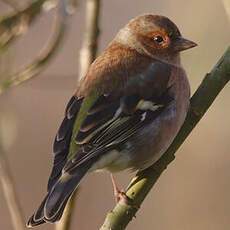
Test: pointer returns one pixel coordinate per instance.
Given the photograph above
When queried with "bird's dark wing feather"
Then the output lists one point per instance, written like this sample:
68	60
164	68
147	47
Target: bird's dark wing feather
62	139
118	129
98	115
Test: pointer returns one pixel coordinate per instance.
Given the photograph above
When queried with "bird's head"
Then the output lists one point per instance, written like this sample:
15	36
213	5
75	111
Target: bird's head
155	36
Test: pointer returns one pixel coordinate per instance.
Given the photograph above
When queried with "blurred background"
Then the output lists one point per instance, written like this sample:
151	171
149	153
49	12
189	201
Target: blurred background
193	193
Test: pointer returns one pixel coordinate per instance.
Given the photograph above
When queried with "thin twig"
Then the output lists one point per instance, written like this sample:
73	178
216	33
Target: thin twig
90	40
140	186
226	5
29	72
46	54
5	175
10	193
65	221
87	55
15	24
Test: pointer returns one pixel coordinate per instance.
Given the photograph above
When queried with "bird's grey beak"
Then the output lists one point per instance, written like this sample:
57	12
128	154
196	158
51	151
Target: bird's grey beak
181	44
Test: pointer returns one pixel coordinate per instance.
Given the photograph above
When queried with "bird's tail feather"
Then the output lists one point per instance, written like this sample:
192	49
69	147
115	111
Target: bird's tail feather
61	192
53	205
37	218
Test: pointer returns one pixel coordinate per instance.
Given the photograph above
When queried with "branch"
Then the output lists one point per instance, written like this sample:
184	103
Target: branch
10	193
15	24
89	46
226	6
64	223
87	55
213	83
46	54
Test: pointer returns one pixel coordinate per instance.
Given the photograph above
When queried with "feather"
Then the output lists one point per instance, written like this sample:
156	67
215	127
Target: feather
60	193
37	217
62	139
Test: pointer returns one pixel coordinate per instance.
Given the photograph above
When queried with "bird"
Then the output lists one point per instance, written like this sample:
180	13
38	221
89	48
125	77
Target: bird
130	105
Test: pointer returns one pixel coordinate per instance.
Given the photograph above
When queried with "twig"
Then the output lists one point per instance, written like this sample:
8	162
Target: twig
87	55
226	5
15	24
89	46
29	72
140	186
5	175
65	221
9	193
49	50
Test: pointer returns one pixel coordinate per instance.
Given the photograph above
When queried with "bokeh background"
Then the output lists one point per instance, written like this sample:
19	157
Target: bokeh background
193	193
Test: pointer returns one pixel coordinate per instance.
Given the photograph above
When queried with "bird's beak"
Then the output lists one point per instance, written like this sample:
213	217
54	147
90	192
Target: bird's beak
181	44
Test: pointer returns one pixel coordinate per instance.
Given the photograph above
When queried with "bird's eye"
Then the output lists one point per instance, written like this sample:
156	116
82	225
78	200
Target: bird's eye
159	39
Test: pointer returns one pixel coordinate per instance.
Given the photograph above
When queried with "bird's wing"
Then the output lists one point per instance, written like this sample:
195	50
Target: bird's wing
114	118
62	139
99	137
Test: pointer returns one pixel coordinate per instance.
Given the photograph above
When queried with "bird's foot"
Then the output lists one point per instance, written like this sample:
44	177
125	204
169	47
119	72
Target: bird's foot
119	194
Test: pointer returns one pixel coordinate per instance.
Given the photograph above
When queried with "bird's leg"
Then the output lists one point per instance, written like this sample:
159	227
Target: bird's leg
118	194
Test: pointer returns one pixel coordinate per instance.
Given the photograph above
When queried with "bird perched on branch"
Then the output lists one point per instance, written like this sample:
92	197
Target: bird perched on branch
125	113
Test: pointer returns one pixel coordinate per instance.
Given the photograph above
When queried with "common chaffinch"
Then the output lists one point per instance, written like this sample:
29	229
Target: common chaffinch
131	104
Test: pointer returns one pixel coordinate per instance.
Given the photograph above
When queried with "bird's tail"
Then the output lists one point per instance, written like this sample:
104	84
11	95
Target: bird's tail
53	205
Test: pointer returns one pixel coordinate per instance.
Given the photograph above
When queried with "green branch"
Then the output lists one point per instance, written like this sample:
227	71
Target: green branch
213	83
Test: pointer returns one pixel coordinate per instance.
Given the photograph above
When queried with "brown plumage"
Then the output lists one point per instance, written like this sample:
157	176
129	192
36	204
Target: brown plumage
142	97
